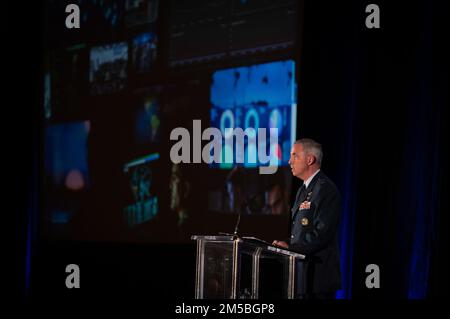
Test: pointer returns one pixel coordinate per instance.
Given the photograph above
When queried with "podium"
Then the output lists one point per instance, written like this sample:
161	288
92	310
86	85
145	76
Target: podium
239	268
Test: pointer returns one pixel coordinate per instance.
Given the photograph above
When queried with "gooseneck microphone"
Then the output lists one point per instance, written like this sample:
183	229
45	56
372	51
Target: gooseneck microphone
248	210
235	234
236	228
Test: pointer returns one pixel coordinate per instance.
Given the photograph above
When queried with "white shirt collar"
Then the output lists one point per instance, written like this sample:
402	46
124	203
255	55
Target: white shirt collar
310	178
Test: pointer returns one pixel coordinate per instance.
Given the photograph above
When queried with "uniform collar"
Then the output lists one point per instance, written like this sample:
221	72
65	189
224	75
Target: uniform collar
308	181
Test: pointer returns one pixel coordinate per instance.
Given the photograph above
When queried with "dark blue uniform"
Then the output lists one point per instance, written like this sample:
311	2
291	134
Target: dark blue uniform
314	229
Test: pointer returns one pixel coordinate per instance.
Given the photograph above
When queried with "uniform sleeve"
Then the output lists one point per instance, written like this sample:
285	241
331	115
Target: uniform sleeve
324	224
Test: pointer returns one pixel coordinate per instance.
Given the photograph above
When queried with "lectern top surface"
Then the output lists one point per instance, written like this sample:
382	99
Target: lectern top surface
256	242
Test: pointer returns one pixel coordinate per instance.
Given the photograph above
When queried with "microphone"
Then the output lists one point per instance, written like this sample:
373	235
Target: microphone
235	234
236	228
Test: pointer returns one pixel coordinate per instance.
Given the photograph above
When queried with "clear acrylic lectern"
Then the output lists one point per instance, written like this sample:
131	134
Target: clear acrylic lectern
229	267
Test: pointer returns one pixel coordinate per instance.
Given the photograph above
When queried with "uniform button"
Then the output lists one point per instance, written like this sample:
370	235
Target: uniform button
292	236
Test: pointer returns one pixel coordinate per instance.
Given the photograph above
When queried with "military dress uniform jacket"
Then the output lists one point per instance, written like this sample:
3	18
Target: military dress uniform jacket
314	227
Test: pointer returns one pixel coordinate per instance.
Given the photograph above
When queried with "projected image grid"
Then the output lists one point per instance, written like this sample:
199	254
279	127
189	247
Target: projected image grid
113	81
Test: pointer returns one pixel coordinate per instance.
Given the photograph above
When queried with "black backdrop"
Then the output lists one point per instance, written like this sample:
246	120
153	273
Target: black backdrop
376	99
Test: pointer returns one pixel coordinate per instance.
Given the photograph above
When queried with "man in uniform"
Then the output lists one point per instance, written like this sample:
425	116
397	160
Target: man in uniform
314	224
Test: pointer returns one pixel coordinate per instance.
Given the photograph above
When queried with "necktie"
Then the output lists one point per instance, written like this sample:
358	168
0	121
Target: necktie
302	192
298	200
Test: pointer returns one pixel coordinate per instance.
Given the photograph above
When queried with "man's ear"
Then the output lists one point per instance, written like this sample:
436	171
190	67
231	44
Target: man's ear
311	159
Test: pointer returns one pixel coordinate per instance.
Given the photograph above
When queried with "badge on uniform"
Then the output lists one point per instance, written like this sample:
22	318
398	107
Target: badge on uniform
305	221
305	205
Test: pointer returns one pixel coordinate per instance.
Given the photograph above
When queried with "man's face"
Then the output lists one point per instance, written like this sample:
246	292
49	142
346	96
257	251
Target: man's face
298	161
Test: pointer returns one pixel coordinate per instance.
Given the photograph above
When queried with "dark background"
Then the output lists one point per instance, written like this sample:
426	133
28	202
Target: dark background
376	99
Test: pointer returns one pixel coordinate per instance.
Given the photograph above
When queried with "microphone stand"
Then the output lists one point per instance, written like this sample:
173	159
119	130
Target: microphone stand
236	228
235	234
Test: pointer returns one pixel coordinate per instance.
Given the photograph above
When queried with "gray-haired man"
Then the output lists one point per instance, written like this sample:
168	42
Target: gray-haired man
314	223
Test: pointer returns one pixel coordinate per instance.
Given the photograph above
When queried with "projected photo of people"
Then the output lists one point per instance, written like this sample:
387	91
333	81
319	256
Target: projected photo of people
253	97
142	200
66	173
108	68
139	12
144	52
147	120
180	189
102	18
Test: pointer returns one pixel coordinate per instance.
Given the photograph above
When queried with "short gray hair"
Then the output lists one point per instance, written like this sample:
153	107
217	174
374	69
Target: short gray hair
311	147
